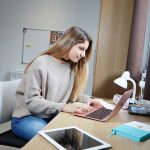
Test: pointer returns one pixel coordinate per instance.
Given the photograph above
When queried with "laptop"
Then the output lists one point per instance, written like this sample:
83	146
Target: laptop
101	113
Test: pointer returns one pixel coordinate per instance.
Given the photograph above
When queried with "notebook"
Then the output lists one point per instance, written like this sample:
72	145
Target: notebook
103	114
136	131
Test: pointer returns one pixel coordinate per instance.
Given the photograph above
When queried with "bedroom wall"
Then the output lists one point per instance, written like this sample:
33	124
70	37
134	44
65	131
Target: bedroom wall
42	14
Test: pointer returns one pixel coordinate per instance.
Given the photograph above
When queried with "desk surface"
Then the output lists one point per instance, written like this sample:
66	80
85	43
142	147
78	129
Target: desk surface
96	128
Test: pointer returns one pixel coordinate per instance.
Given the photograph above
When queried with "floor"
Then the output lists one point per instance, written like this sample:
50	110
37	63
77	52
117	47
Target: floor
4	127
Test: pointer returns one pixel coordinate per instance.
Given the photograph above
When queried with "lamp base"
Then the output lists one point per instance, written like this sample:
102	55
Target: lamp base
132	101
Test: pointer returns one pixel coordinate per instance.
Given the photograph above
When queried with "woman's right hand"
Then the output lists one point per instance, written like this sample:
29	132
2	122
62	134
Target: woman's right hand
77	107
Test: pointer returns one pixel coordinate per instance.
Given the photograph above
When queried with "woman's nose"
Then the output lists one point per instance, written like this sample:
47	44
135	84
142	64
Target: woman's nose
83	54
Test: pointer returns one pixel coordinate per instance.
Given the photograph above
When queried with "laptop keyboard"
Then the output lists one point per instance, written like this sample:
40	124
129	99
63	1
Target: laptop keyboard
100	113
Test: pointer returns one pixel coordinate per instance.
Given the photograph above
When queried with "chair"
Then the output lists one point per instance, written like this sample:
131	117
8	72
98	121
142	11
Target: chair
7	97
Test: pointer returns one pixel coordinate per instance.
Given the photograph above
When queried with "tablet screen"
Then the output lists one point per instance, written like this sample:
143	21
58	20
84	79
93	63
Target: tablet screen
73	138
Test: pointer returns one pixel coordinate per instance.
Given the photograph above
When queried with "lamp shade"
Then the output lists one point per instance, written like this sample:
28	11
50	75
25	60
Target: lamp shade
121	82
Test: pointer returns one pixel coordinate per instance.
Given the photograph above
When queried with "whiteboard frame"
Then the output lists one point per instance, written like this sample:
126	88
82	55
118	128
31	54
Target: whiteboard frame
27	56
36	41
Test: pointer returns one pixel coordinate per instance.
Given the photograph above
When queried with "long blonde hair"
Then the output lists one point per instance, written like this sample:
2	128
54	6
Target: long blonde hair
61	48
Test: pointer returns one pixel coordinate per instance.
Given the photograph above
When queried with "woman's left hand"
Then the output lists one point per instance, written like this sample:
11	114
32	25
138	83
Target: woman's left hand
94	102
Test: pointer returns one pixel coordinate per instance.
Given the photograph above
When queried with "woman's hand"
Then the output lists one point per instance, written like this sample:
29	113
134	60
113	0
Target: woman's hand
77	107
94	102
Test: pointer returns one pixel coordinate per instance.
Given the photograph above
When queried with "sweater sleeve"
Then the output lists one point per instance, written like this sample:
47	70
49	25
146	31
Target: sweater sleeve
34	98
84	98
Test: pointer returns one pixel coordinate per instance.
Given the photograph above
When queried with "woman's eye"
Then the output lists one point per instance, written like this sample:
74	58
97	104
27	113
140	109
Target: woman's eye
82	48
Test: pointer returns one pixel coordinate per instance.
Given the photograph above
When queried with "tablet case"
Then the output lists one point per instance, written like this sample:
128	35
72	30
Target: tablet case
134	130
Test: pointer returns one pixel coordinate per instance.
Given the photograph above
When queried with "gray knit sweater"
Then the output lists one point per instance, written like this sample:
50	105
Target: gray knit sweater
45	88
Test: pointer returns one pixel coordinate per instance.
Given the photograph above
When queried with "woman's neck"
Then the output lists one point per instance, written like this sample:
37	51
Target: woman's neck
61	60
65	60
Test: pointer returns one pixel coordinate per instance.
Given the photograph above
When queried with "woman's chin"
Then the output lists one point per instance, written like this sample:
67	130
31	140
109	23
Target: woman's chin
75	60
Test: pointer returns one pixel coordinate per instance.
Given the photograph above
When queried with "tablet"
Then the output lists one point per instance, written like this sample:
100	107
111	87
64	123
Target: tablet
73	138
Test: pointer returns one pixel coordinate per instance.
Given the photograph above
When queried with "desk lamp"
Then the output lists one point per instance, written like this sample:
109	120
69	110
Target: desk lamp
122	81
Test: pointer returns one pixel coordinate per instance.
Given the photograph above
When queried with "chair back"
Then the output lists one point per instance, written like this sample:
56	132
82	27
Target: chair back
7	97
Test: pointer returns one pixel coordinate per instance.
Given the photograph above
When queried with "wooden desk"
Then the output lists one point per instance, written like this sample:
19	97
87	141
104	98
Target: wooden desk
98	129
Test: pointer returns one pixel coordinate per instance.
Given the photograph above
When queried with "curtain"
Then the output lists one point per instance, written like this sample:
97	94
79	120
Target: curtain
147	82
137	38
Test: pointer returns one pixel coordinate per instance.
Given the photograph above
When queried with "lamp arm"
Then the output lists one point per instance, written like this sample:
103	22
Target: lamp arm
134	88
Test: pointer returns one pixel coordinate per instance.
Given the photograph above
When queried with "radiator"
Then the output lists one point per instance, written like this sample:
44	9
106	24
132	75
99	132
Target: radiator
16	74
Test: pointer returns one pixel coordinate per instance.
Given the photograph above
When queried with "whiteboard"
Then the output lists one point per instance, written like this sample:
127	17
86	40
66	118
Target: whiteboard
34	42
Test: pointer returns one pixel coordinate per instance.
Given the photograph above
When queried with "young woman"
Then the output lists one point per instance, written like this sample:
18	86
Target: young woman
53	82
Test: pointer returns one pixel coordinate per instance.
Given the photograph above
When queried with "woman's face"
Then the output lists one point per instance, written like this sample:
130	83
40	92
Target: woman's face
78	51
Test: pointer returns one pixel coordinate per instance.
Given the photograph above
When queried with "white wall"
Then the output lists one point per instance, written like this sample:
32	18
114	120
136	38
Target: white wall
42	14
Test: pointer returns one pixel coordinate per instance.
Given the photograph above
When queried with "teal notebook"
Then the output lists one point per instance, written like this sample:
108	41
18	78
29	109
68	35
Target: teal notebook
134	130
